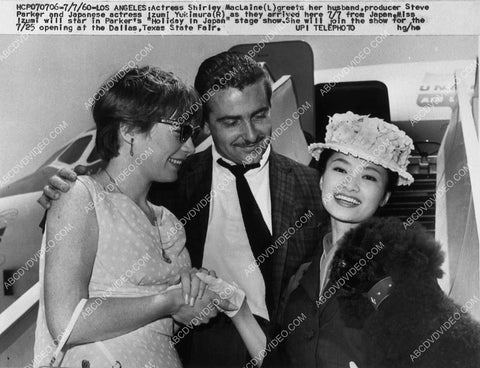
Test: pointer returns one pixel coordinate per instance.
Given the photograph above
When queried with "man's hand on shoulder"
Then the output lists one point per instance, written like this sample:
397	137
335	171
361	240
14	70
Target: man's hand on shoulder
58	183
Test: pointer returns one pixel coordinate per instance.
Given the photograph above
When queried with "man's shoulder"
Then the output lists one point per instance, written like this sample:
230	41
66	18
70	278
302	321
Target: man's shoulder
198	161
300	169
200	156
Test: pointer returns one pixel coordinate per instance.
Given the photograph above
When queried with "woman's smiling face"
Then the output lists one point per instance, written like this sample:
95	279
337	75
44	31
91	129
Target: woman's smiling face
352	188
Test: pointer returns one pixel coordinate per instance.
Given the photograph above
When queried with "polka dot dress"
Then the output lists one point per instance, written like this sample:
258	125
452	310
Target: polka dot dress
129	263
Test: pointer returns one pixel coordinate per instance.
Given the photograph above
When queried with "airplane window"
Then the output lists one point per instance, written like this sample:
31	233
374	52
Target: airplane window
53	157
74	152
93	155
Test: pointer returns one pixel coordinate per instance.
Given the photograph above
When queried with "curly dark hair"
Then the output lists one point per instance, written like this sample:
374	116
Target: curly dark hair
403	253
416	306
139	97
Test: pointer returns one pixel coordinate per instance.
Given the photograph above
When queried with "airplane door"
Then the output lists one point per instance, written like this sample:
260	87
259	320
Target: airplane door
294	58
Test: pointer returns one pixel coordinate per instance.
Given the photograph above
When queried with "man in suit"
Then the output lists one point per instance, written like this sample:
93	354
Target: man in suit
283	196
237	117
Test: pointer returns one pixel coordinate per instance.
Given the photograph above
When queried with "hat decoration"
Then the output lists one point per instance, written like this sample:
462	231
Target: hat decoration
371	139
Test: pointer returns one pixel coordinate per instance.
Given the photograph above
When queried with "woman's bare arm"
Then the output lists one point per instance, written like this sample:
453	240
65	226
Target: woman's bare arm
68	268
250	332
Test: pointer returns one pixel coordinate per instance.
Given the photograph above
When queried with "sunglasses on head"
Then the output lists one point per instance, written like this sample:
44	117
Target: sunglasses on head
186	130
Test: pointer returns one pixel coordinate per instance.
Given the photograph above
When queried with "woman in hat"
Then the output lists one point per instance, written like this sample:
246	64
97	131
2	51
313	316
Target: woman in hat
362	160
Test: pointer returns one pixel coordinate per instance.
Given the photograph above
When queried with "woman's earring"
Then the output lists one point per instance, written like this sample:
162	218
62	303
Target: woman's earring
131	147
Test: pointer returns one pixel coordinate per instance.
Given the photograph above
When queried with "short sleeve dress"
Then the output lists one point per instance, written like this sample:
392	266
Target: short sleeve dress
128	263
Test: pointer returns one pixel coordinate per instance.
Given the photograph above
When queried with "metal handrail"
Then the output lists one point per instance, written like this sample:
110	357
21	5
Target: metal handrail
19	307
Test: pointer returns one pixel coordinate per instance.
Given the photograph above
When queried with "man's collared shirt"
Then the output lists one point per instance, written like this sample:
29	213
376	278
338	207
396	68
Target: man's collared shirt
227	250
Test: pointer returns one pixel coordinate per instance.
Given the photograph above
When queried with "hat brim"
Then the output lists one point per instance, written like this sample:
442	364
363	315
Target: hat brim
404	177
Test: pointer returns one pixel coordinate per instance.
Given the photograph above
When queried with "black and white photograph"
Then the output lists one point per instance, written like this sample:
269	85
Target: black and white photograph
282	199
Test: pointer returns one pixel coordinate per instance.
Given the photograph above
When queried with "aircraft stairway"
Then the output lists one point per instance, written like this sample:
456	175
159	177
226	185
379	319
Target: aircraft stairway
415	203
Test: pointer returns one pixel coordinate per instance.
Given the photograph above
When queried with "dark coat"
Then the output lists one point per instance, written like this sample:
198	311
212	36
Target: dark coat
323	339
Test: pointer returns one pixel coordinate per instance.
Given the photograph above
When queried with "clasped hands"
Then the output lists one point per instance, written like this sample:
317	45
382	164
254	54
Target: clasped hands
200	295
196	293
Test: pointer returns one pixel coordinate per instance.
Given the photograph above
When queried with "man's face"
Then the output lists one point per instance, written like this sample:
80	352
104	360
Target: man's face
239	121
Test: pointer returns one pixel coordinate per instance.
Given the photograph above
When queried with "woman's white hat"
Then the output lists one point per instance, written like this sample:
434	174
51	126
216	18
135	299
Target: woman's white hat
371	139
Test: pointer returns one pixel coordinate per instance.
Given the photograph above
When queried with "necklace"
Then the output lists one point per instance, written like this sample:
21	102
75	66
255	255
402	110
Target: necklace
164	253
152	216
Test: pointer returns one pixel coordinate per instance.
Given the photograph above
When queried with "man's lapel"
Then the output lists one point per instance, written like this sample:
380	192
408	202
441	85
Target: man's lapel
281	193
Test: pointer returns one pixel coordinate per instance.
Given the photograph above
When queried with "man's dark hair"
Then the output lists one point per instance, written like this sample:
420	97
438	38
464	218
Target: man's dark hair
229	70
138	98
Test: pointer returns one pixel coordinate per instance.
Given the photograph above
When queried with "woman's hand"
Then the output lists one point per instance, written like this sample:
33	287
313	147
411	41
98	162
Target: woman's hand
186	314
68	268
203	310
193	288
226	291
242	317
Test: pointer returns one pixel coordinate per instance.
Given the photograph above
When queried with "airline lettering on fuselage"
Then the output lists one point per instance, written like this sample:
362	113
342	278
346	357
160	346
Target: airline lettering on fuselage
436	99
436	90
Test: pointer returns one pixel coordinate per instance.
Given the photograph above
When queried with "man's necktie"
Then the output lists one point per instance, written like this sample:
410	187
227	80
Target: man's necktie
258	233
